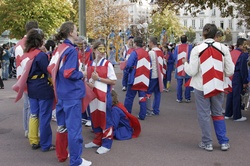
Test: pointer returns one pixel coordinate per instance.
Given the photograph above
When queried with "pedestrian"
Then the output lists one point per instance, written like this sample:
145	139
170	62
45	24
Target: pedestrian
101	76
209	85
5	62
19	50
1	81
239	81
156	79
182	51
69	90
138	69
112	55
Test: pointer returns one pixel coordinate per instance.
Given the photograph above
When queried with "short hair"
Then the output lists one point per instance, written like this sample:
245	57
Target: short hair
240	42
219	33
209	31
183	39
138	41
153	40
30	25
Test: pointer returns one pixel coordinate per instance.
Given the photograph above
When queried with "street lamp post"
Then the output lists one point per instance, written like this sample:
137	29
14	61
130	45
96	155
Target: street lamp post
82	17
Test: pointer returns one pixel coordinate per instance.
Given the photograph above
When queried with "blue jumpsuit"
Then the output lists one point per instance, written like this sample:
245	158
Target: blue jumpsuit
41	97
233	104
70	90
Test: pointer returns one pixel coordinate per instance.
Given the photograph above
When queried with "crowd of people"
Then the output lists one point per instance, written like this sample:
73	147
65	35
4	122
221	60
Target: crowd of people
76	79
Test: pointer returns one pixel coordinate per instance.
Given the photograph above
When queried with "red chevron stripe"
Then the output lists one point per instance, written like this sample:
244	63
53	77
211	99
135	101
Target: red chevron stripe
99	117
99	94
212	73
142	70
210	52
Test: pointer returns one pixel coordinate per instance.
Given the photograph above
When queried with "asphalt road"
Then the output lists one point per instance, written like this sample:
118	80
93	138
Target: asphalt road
170	139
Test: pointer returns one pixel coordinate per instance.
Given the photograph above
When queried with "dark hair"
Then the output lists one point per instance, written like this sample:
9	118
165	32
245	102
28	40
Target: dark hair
30	25
219	33
183	39
65	30
240	42
34	39
138	41
50	44
114	97
153	40
209	31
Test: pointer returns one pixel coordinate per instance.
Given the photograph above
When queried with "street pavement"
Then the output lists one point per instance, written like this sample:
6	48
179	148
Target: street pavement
170	139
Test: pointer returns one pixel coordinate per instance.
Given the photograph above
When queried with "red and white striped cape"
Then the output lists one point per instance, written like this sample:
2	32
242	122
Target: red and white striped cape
182	53
26	61
98	105
235	54
211	64
165	59
19	50
159	64
142	74
53	69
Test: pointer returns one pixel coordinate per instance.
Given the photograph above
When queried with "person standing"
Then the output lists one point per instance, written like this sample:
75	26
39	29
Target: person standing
239	81
182	51
5	62
156	80
101	76
1	81
138	69
19	50
209	85
69	90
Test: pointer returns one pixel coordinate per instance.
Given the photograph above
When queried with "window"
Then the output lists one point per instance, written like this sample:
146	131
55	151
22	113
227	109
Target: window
230	25
185	23
222	24
213	22
201	23
193	24
214	12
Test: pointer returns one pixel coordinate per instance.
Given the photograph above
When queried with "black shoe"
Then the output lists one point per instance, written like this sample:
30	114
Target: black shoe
139	117
35	146
2	88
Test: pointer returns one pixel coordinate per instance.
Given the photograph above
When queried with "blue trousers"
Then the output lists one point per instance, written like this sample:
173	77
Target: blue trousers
125	78
86	114
43	110
68	113
5	67
154	88
233	104
129	99
179	89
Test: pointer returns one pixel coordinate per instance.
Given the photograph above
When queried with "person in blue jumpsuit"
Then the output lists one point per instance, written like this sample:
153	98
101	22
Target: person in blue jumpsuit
185	77
40	94
239	83
70	90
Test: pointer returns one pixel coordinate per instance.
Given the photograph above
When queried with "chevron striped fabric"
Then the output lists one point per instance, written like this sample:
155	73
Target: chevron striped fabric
142	75
19	50
182	53
159	63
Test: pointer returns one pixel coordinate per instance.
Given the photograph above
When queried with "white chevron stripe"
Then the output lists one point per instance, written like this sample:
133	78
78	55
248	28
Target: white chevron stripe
141	78
101	86
181	55
19	51
211	62
97	104
212	85
180	68
143	62
108	134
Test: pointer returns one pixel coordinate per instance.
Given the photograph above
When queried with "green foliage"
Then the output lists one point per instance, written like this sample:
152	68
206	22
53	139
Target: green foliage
50	14
191	35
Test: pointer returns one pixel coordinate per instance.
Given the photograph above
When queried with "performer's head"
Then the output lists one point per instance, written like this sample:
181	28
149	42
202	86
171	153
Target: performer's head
35	38
130	41
242	44
218	36
114	97
152	41
138	42
67	30
209	31
30	25
99	49
183	39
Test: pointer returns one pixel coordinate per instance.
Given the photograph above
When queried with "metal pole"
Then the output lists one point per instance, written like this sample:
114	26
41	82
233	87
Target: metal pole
82	17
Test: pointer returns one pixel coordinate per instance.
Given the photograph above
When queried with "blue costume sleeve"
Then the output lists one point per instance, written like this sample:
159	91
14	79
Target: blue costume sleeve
175	53
243	68
71	66
171	58
131	62
43	61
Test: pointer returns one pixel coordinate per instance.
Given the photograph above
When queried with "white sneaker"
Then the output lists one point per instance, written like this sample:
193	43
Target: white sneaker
88	123
91	145
85	162
208	147
227	117
241	119
102	150
26	133
124	88
224	147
